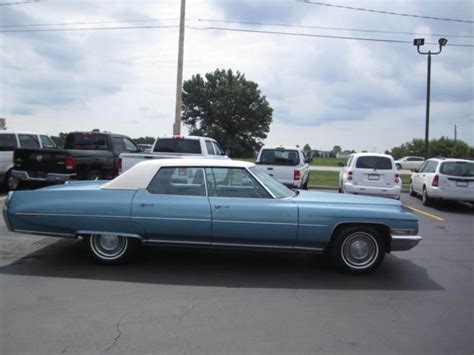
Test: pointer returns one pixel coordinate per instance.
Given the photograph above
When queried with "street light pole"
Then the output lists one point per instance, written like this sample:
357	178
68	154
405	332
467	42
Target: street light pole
419	42
179	77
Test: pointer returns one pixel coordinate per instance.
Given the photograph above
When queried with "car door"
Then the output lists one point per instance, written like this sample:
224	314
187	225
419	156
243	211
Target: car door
416	178
244	212
174	208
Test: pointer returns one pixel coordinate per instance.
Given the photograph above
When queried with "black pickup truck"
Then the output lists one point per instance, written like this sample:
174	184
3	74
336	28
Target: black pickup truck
85	156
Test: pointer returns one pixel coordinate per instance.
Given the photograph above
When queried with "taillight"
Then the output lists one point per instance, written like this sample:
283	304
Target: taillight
349	175
297	175
70	163
435	182
14	158
397	178
119	166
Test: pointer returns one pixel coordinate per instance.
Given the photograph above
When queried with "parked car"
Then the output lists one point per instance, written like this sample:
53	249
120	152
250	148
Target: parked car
370	174
213	204
287	165
444	179
11	140
409	163
176	147
86	156
146	147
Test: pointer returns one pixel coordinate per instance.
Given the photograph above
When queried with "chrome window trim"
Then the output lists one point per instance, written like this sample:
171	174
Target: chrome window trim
261	184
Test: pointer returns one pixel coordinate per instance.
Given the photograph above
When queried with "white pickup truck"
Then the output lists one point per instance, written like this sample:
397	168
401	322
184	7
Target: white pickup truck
287	165
175	147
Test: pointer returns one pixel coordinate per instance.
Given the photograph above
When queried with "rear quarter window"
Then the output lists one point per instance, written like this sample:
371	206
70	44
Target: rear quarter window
374	162
8	142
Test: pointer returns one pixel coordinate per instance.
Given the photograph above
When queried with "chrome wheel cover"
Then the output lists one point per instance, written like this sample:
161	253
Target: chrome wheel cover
108	246
359	250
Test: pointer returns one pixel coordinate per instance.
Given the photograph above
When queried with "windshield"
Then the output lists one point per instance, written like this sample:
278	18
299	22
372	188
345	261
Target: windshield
277	189
457	168
173	145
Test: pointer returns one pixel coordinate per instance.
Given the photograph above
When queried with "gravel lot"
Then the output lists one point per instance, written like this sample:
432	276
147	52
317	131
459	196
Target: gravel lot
53	300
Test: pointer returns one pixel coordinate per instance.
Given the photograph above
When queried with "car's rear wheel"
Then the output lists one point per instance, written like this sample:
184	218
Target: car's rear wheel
94	175
411	191
358	250
425	199
110	248
12	183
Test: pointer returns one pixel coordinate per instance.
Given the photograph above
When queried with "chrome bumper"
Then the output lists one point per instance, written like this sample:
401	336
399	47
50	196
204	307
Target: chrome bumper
7	220
404	242
50	177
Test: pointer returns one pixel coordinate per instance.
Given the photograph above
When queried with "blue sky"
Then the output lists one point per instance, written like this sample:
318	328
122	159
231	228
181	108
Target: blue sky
325	92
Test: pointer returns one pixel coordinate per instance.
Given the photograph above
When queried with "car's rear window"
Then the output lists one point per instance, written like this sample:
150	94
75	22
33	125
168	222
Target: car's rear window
86	141
279	157
374	162
173	145
8	142
457	168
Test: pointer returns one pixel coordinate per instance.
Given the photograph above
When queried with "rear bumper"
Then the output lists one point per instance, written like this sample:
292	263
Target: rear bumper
6	218
404	242
392	192
49	178
441	193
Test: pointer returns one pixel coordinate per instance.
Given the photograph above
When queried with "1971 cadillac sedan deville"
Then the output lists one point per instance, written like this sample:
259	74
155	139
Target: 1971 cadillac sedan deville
213	204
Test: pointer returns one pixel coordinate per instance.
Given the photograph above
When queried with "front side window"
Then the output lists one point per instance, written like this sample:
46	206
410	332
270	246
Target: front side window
233	182
422	167
276	188
280	157
46	142
374	162
209	147
184	181
218	149
28	141
430	167
457	168
8	142
122	144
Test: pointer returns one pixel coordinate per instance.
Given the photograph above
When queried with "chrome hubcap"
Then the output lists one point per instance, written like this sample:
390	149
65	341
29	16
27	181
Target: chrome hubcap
359	250
108	246
109	242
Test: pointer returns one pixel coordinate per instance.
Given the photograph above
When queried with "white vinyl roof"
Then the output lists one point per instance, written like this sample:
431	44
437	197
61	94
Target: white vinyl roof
140	175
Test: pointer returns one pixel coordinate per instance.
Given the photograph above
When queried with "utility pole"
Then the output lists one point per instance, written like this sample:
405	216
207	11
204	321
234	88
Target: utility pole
419	42
179	79
455	133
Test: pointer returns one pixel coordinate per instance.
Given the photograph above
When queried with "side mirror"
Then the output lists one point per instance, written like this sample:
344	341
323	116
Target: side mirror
227	152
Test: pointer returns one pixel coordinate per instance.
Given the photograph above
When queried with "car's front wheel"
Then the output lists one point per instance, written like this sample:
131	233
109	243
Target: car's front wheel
358	250
110	248
425	199
411	190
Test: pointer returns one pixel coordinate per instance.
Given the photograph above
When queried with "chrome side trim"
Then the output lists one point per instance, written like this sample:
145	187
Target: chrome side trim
180	242
48	234
174	219
130	235
308	248
34	214
240	245
313	225
251	222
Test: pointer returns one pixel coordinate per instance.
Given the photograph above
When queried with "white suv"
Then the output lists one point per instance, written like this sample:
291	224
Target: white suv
370	174
447	179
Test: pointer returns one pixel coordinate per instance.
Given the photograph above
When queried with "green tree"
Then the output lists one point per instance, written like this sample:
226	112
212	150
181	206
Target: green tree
307	148
59	139
228	108
144	140
443	146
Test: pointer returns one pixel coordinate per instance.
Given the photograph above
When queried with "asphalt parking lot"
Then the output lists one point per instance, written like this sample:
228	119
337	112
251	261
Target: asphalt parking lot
54	300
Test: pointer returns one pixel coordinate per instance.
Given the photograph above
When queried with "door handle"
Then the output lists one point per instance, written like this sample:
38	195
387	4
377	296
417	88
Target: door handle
269	168
218	207
146	204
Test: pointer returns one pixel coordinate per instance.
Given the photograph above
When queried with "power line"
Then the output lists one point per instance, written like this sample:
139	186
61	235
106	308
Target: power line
236	22
19	2
221	29
383	12
319	35
331	28
89	29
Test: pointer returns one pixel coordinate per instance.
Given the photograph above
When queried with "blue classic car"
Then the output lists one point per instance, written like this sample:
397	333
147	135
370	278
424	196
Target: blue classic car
213	204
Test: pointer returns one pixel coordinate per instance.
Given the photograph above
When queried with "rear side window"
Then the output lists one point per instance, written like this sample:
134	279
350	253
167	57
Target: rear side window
457	168
415	159
185	181
279	157
28	141
374	162
86	141
46	142
173	145
8	142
